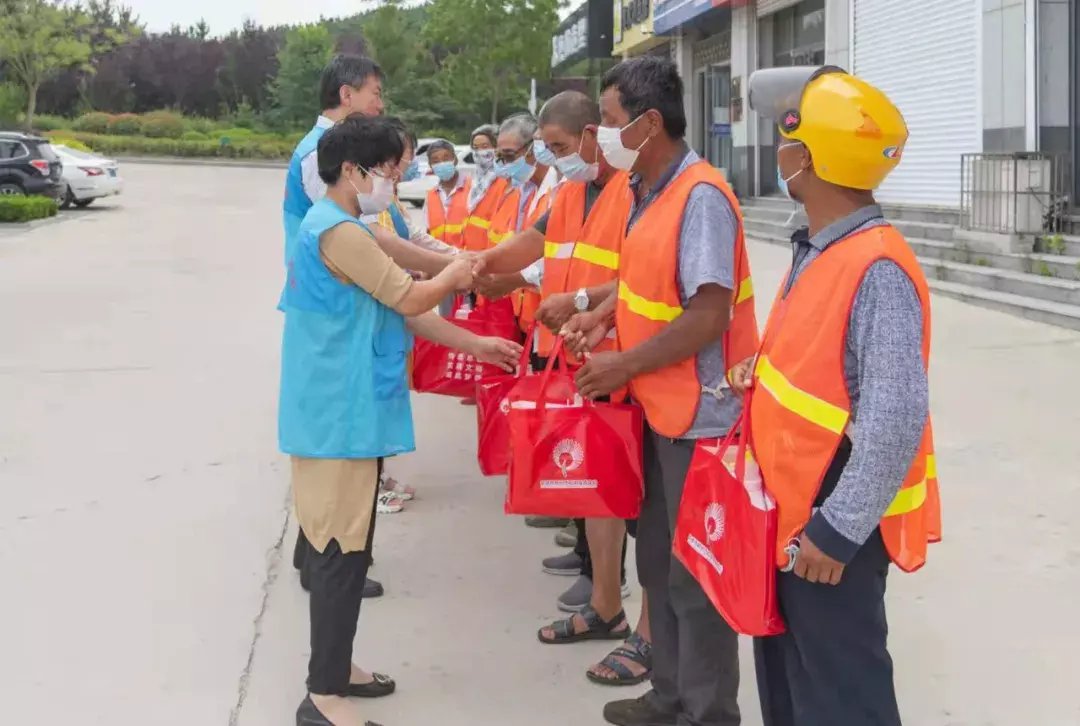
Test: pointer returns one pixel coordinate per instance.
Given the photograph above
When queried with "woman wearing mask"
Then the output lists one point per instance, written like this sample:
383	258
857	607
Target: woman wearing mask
487	190
344	401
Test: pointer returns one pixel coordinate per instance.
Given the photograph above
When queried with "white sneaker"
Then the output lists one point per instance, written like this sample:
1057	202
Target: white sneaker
389	503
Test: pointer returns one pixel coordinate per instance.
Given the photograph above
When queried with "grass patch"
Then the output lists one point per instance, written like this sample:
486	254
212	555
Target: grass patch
26	209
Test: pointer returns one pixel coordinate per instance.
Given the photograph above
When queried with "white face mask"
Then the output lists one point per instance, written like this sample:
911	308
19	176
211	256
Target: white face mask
379	198
610	140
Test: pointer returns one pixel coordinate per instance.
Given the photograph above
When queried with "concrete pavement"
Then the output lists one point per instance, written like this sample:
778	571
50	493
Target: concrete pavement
143	505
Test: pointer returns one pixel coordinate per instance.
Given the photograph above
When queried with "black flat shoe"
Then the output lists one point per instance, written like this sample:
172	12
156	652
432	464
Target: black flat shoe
381	686
308	715
372	588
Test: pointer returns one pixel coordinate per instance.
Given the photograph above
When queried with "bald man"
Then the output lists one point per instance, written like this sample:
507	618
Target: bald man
578	241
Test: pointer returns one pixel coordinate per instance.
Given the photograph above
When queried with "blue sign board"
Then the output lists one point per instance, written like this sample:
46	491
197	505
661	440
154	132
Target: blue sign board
720	130
671	14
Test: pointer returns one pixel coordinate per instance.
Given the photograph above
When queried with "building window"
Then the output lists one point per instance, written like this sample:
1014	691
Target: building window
799	35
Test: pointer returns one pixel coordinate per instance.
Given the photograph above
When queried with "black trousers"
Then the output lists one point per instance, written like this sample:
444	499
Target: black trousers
832	666
336	583
695	652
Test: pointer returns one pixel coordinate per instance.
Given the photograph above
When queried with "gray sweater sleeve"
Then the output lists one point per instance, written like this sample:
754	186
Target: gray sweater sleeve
884	369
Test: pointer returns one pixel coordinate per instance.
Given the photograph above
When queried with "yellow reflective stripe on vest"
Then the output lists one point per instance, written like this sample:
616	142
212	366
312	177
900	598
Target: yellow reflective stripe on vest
598	256
907	500
438	231
931	467
497	237
807	405
746	290
556	251
479	222
453	228
651	309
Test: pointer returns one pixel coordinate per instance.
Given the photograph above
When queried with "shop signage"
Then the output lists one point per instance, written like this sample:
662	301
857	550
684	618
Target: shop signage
635	12
671	14
720	130
571	42
585	33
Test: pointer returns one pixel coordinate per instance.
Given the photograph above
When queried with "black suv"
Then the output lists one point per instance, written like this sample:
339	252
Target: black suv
28	165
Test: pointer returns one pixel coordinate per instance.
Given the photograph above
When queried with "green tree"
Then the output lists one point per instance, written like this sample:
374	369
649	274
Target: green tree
493	47
38	39
306	52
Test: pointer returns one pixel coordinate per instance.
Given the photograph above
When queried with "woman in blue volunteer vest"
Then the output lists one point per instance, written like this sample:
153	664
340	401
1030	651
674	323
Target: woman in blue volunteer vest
344	401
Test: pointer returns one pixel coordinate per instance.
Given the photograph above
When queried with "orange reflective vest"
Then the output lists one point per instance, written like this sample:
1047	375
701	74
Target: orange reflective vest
475	236
527	300
449	225
800	410
580	252
648	300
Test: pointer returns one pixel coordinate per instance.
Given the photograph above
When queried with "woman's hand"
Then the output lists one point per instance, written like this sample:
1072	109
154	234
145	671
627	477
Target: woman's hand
459	272
497	351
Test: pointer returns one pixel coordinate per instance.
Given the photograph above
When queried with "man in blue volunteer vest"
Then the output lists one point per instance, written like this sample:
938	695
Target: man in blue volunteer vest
350	84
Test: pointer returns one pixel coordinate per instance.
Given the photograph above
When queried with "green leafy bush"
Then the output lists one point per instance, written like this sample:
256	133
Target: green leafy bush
236	134
44	122
163	125
193	136
201	125
94	122
26	209
12	103
126	124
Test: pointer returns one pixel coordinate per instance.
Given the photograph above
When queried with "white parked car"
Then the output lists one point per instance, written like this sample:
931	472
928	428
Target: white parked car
88	177
415	191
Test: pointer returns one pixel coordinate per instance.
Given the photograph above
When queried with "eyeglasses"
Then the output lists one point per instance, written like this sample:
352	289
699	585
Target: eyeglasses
507	158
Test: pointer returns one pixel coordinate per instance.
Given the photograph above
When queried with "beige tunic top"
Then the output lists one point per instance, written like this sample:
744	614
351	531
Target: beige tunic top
335	497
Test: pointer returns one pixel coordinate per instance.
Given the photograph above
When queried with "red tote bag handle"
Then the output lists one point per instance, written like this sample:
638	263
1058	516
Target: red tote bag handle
558	355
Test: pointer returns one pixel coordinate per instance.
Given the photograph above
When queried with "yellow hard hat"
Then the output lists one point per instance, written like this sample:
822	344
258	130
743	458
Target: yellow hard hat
855	134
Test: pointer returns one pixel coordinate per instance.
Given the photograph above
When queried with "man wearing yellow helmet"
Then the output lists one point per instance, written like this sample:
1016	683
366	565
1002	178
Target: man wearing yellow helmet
839	414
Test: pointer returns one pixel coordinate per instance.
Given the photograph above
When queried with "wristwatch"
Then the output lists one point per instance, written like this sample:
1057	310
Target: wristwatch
581	300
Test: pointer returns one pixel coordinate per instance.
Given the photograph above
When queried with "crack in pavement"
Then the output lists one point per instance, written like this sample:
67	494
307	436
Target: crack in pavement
272	566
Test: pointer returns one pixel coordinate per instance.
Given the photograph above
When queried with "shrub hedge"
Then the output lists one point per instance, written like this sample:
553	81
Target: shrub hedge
94	122
126	124
26	209
185	148
60	139
163	125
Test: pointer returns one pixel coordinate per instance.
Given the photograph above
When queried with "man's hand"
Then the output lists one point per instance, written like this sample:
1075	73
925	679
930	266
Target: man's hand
497	351
602	374
741	376
813	565
583	332
556	310
488	286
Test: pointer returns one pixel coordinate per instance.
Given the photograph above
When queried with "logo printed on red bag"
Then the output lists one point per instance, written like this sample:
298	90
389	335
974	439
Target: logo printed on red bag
568	456
714	522
504	406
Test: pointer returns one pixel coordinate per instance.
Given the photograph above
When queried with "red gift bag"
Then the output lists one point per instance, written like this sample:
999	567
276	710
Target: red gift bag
439	369
492	407
725	533
571	457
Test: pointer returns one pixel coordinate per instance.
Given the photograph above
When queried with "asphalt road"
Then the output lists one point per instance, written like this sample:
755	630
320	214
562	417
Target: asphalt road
143	504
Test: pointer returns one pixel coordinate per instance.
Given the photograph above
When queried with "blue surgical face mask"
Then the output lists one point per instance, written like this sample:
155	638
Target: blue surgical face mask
576	169
781	182
518	171
543	154
412	171
445	170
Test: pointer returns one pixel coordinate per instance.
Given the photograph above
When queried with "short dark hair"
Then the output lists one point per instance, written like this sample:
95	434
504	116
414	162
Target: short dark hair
571	111
407	136
488	130
650	82
345	70
440	144
366	142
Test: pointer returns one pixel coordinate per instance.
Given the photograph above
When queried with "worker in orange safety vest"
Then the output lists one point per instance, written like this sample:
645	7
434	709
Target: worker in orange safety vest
683	313
839	416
